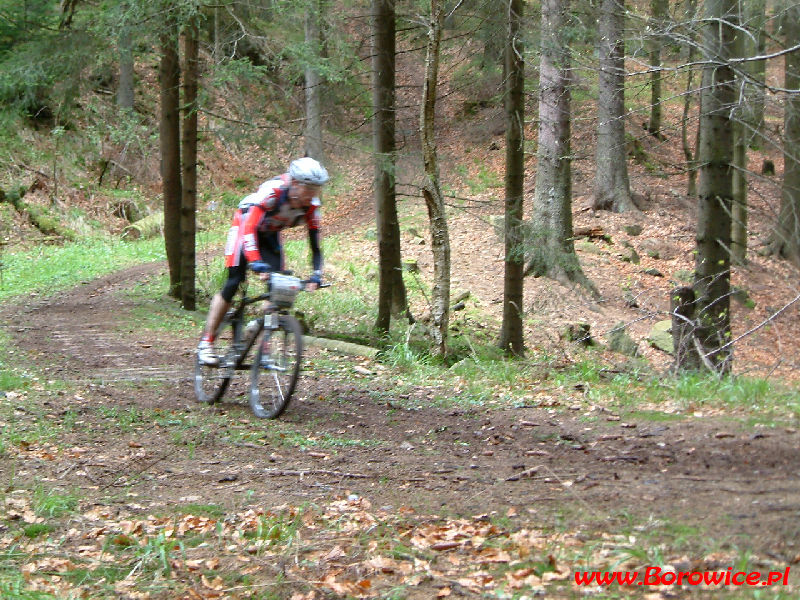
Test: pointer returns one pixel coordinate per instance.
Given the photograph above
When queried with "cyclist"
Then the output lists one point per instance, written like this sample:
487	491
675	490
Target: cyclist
254	237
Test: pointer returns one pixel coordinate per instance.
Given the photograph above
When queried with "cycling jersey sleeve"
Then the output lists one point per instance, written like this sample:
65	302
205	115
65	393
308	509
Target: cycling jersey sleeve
250	236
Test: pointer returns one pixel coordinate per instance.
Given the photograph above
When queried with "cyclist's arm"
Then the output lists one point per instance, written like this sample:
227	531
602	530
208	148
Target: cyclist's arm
316	250
312	221
250	235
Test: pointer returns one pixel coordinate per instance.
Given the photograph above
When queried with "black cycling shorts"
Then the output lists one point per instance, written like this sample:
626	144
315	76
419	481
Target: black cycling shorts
236	275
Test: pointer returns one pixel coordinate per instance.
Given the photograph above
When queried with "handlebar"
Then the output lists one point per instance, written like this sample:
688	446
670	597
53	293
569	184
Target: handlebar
266	295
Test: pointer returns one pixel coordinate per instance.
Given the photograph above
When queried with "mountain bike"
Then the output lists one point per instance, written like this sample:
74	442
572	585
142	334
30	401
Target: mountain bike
278	341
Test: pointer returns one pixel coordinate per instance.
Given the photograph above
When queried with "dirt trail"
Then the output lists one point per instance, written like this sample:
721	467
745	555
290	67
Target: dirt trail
582	463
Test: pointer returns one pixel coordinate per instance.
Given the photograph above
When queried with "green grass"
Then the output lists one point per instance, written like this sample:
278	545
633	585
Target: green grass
278	528
47	269
288	437
212	511
13	587
37	529
10	380
11	377
103	576
51	503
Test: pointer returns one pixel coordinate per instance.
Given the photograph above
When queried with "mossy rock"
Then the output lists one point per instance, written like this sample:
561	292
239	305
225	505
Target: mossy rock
633	230
631	256
620	341
587	247
660	336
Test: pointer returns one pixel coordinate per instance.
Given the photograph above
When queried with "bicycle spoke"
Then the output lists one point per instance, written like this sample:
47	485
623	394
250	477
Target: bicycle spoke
276	369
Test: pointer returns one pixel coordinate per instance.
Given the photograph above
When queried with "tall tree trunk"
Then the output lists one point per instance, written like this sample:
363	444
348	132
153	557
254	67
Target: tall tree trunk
189	147
125	83
612	186
169	81
739	192
391	289
216	53
689	152
786	239
551	247
511	332
755	21
715	195
431	191
659	11
740	137
313	133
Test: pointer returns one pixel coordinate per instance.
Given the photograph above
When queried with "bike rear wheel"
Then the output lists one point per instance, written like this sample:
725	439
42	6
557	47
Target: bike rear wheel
210	382
276	368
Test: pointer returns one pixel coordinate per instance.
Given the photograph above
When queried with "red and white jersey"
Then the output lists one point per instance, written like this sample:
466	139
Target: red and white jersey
263	214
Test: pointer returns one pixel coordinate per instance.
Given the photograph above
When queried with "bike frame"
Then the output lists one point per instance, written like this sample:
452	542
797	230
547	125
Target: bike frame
238	317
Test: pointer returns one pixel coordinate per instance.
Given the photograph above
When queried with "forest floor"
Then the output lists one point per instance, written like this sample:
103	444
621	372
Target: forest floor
360	490
116	483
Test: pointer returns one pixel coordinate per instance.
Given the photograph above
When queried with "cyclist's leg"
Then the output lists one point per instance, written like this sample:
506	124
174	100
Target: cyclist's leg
271	254
222	300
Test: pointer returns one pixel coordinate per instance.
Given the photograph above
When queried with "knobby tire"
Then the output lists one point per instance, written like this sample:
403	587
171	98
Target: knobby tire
271	387
211	382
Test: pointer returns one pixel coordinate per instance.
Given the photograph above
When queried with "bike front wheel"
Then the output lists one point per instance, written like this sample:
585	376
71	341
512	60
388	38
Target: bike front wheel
276	368
211	381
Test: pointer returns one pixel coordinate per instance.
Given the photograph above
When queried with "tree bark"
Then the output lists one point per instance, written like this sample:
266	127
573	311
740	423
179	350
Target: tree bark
683	329
786	239
434	200
511	332
313	133
391	289
551	248
169	81
740	137
612	186
715	193
739	191
689	153
216	53
659	10
189	149
755	20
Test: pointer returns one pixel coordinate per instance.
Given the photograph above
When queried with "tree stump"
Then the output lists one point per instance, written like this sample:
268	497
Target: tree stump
580	333
682	308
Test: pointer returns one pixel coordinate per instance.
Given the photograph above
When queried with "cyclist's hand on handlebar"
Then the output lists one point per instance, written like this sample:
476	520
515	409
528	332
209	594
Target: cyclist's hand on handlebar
261	268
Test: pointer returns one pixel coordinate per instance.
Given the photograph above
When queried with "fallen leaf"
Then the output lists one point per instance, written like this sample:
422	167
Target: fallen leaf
445	545
215	584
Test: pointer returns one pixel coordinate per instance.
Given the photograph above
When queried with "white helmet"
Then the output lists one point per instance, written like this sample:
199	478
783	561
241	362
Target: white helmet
308	170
